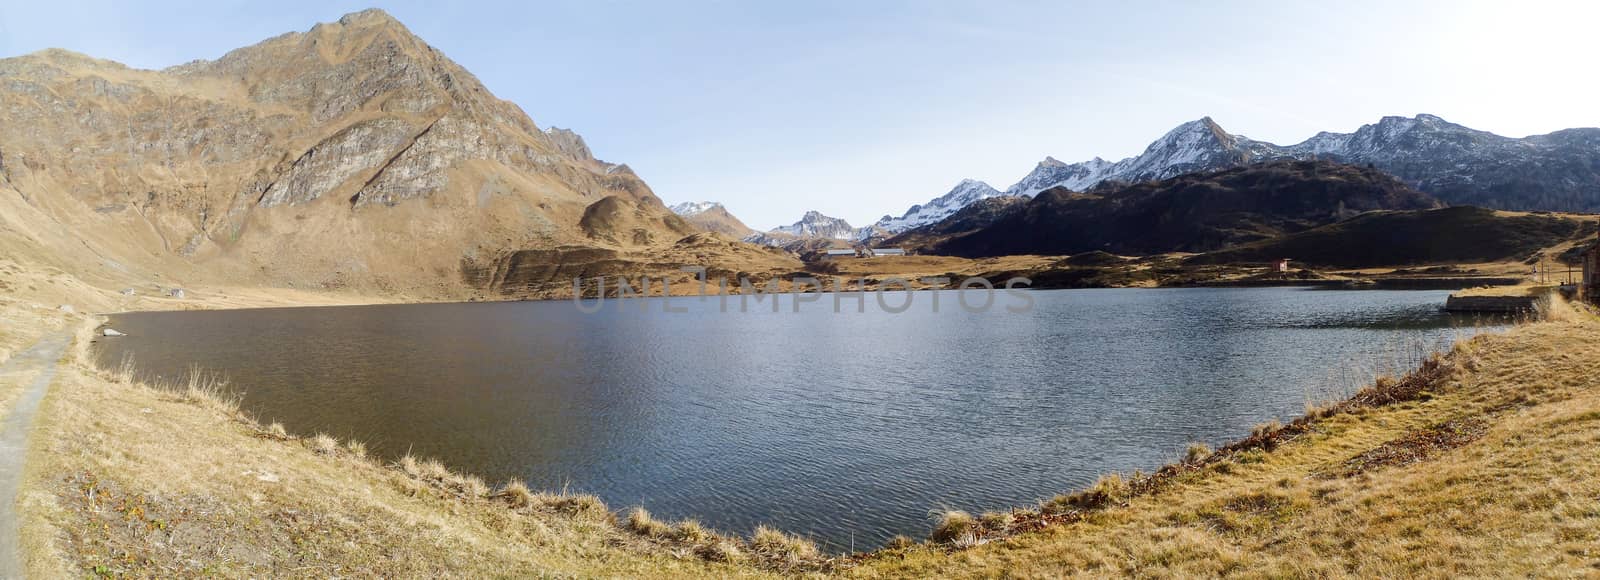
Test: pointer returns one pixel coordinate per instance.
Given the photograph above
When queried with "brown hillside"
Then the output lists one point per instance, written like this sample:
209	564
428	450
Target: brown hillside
352	155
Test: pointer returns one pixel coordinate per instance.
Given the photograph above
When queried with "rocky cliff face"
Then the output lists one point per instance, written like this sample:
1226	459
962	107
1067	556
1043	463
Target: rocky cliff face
352	154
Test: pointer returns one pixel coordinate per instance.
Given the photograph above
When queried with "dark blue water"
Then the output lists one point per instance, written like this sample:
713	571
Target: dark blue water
847	427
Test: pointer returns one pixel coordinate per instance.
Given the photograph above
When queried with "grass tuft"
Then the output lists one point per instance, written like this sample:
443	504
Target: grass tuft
323	444
641	522
582	506
691	531
721	551
1110	489
956	528
1196	452
209	390
899	542
997	520
774	544
516	493
1270	427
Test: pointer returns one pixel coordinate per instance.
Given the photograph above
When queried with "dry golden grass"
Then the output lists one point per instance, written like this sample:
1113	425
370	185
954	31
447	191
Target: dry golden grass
776	545
1523	289
1486	471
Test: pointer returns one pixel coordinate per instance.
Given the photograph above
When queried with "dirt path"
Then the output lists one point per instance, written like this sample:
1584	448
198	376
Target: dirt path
34	368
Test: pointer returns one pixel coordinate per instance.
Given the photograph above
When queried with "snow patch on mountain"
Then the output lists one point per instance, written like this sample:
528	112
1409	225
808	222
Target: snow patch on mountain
966	193
692	208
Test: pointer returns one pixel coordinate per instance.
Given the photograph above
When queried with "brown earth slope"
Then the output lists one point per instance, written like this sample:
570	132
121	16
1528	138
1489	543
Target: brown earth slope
349	156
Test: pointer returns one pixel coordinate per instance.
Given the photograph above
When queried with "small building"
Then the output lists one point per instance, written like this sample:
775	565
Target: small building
888	251
1283	266
837	254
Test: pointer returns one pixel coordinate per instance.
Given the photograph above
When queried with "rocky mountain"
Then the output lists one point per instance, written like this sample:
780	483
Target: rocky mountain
1555	172
350	155
966	193
1194	212
815	227
1194	146
980	214
712	217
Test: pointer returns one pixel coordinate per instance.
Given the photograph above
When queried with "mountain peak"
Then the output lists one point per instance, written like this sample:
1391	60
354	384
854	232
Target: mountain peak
368	17
693	208
1202	126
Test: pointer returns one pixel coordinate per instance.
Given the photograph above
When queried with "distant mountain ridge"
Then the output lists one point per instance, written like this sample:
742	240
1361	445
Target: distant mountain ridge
814	231
1193	212
1559	171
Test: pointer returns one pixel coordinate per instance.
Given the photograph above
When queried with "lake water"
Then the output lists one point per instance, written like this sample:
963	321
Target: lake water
847	427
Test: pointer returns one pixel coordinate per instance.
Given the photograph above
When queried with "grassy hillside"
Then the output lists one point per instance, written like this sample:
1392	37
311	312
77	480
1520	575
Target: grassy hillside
1442	236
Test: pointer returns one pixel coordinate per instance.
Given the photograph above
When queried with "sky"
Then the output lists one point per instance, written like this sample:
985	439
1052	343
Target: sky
862	108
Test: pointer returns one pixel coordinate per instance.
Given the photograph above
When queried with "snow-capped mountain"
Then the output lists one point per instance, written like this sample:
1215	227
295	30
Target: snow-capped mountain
815	226
1194	146
693	208
964	194
1557	172
712	217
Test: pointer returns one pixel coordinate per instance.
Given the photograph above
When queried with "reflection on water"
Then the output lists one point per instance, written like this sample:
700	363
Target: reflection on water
847	427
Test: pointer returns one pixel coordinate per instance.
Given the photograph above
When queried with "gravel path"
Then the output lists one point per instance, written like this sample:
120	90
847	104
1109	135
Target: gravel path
35	368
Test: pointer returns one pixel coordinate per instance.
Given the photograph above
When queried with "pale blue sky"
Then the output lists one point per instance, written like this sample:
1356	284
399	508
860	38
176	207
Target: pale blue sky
862	108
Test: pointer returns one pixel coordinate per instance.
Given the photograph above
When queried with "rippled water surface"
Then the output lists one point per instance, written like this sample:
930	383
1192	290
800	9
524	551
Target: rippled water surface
848	427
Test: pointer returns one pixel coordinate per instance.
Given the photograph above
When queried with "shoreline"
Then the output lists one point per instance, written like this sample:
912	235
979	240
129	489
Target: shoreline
985	535
1342	285
453	303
